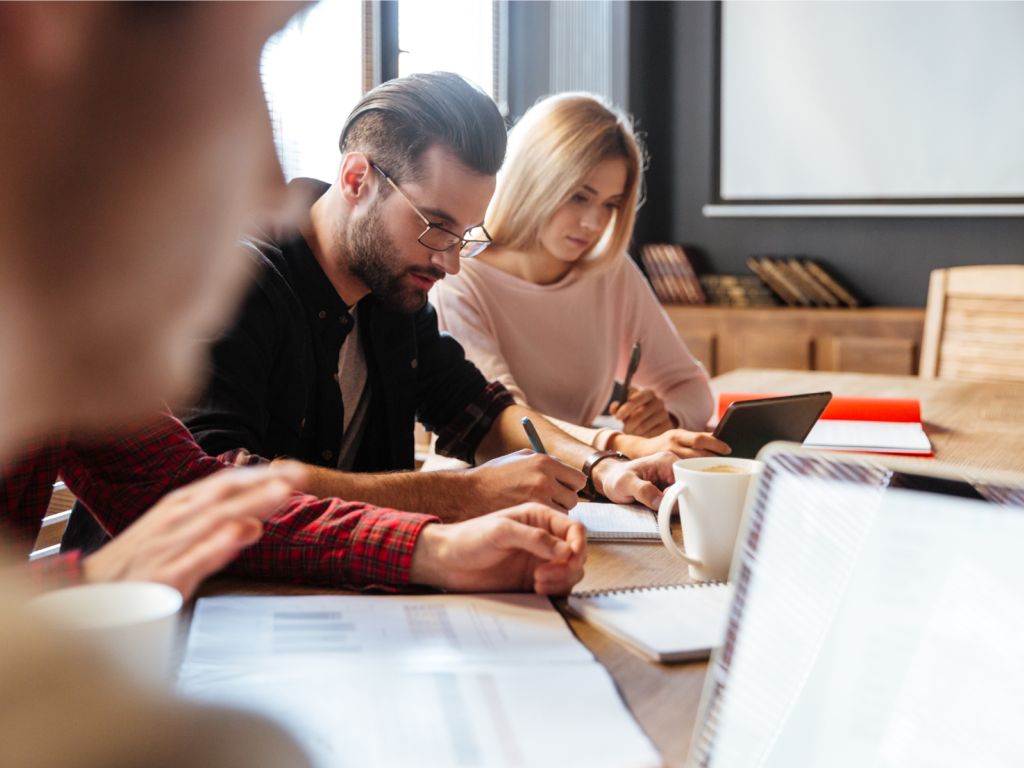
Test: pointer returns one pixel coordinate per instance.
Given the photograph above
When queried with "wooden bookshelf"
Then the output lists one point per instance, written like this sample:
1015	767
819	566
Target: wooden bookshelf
868	340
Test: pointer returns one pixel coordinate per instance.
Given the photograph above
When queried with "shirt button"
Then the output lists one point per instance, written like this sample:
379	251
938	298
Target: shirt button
328	455
335	376
344	320
322	314
413	363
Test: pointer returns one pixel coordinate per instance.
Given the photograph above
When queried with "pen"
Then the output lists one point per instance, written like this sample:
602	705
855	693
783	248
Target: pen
531	433
634	363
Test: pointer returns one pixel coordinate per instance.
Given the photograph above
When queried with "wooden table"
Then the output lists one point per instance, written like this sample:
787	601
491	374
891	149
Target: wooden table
970	424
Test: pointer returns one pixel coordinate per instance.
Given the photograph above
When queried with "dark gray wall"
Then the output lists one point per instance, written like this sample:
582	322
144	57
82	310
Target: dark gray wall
672	96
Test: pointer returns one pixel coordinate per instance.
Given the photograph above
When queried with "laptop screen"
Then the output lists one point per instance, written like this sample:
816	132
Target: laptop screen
877	620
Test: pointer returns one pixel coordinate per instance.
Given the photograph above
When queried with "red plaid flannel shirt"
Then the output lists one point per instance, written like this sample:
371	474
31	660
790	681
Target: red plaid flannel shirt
328	541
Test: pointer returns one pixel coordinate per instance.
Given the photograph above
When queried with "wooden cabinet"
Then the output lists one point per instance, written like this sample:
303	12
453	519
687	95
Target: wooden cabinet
871	340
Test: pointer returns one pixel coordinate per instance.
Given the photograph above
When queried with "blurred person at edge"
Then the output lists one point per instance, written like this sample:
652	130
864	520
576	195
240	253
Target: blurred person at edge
134	139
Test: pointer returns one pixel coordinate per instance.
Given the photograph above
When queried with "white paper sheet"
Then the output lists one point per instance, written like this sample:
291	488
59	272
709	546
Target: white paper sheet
439	680
875	436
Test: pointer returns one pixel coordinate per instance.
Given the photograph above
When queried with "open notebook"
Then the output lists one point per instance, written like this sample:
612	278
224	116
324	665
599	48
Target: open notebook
877	618
616	522
673	623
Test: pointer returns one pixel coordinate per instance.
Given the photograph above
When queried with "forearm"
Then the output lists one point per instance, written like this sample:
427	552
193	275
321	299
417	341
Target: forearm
447	494
507	435
598	439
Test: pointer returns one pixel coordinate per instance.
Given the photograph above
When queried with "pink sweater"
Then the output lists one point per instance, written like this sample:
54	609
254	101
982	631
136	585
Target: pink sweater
559	348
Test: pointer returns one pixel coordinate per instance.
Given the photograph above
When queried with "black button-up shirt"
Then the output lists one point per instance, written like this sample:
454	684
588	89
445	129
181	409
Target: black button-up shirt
273	386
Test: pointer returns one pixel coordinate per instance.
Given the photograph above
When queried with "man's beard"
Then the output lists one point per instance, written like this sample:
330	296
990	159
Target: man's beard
373	258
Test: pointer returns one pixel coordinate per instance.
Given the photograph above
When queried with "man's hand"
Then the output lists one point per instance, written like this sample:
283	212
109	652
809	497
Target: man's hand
196	530
642	480
529	547
521	477
684	444
643	413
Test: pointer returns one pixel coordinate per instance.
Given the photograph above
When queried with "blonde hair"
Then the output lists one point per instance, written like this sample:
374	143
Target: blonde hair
551	151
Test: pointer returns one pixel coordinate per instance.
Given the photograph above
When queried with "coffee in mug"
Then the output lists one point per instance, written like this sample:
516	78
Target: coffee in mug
710	494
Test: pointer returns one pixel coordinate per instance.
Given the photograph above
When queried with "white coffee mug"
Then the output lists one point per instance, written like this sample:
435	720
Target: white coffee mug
133	622
711	493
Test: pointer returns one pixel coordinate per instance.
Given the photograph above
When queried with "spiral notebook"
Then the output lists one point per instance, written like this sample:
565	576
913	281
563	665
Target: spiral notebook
672	623
616	522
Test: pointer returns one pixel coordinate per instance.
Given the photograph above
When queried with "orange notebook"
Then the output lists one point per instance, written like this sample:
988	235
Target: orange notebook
865	424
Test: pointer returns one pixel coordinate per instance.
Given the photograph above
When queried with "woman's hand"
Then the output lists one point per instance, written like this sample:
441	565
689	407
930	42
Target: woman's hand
683	443
643	413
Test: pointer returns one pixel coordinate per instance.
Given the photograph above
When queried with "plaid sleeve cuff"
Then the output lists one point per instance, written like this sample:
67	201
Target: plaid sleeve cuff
460	438
63	570
336	543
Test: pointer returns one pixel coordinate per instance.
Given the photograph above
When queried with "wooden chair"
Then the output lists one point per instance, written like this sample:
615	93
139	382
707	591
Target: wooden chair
974	324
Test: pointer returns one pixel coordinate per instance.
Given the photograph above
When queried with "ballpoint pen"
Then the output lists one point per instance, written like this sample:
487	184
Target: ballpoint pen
531	433
634	363
620	391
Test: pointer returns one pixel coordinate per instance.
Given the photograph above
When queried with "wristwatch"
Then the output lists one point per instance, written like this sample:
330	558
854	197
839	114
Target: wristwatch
588	468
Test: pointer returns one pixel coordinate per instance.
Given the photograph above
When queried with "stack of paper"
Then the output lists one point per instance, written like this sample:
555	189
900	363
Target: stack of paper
432	680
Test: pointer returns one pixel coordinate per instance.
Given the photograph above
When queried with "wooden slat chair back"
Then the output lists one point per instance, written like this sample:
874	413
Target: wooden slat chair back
974	324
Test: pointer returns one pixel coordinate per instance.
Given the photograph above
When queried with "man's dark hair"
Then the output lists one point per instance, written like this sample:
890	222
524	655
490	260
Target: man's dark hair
400	119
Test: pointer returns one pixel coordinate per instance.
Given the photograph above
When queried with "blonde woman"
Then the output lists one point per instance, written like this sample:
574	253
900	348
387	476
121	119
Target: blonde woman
554	307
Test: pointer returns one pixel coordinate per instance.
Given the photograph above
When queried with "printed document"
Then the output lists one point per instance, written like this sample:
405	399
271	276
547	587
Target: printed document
445	680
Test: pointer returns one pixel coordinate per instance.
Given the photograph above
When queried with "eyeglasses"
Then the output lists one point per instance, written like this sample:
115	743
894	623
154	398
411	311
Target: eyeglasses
435	237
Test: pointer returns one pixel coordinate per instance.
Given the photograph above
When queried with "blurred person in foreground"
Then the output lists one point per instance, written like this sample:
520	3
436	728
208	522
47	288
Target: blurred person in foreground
126	133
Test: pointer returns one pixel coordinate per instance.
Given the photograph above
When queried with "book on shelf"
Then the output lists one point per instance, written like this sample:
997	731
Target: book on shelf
801	282
737	291
831	284
672	275
819	295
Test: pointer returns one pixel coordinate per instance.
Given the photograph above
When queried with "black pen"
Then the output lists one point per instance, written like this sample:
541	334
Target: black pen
531	433
634	363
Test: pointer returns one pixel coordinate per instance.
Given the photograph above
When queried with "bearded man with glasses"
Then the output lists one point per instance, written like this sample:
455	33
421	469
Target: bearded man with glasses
336	353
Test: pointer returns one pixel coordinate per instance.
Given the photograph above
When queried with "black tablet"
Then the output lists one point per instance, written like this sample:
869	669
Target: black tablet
749	425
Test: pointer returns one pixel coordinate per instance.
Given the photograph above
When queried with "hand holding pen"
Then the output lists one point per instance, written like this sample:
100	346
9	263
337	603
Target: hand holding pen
643	412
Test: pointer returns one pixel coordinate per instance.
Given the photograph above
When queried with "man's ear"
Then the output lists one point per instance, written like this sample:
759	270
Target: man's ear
356	179
46	42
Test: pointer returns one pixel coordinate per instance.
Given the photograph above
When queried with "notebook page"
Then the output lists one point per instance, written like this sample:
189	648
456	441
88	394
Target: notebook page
679	622
604	520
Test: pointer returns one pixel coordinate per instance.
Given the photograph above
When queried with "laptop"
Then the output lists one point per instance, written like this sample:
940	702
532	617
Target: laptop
878	618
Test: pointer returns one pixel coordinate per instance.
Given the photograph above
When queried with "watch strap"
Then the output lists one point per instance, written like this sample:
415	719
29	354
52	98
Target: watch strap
592	461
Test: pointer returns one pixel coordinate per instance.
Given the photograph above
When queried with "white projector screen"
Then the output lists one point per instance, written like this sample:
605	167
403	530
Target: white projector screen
871	101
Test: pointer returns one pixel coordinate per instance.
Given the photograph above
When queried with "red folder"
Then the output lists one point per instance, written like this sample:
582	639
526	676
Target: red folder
868	424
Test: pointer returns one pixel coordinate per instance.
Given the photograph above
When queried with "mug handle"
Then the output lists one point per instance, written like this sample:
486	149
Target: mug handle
668	503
